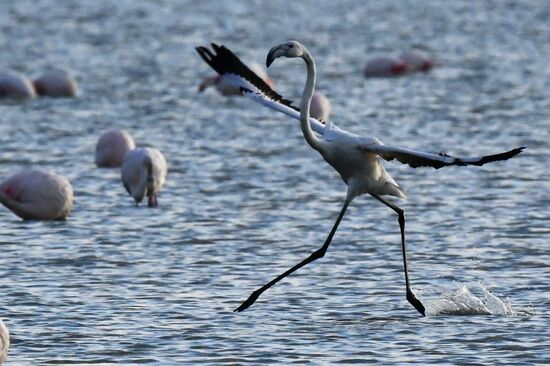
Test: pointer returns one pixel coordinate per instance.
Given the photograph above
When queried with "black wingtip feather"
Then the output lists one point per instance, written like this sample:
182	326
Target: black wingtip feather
224	61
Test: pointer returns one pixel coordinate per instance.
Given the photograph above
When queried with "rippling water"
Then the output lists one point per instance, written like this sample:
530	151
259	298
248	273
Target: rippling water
246	197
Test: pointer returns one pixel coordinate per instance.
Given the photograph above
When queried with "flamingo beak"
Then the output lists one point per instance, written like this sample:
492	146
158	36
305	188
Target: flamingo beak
271	56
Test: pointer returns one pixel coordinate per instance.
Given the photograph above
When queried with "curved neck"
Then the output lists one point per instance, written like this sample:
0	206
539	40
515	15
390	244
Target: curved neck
305	104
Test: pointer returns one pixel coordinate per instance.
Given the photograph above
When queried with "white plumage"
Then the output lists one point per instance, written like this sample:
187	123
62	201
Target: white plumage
4	341
37	195
143	174
356	158
16	85
111	147
56	83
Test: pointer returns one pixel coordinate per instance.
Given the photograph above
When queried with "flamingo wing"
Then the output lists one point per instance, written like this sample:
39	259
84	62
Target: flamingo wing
417	159
236	73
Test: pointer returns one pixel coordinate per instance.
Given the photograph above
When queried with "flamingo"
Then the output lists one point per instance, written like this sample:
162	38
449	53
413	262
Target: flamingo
16	85
356	158
111	148
418	61
225	88
4	341
143	174
385	67
37	195
56	83
320	107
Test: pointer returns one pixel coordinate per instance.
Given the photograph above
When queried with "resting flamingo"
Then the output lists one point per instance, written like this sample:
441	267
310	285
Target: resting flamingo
111	148
320	107
225	88
56	83
37	195
143	174
4	341
417	61
16	85
385	67
356	158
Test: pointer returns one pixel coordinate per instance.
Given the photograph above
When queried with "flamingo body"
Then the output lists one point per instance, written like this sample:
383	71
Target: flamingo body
16	85
56	83
225	87
417	61
37	195
111	147
358	159
143	174
385	67
4	341
320	107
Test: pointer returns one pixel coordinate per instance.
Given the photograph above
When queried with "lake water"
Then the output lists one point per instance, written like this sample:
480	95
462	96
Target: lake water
246	198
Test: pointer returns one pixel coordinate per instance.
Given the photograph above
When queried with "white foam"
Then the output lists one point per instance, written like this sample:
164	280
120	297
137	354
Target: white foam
460	300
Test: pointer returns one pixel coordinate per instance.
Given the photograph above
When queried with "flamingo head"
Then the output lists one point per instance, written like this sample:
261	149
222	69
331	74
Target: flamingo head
289	49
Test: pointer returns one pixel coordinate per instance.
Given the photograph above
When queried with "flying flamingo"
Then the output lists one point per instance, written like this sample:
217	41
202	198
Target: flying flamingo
111	148
16	85
37	195
4	341
356	158
56	83
143	174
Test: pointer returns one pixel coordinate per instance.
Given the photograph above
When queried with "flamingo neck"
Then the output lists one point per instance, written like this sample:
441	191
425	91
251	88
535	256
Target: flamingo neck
305	103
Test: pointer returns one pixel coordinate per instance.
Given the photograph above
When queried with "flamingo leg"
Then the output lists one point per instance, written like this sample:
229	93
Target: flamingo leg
319	253
410	296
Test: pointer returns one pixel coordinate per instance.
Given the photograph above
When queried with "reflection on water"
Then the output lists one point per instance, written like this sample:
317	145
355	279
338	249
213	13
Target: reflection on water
246	198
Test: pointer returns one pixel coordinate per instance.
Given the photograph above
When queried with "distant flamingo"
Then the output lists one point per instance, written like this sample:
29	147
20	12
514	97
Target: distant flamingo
16	85
418	61
356	158
56	83
111	148
225	88
143	174
4	341
320	107
37	195
385	67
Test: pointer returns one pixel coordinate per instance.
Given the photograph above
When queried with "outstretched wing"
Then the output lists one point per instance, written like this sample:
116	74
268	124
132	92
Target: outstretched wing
417	159
236	73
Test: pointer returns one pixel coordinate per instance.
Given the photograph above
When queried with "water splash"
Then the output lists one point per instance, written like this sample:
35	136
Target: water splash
462	301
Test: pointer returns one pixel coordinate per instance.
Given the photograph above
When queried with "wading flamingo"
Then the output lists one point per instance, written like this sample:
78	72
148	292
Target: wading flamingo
4	341
143	174
320	107
56	83
15	85
111	148
37	195
385	67
356	158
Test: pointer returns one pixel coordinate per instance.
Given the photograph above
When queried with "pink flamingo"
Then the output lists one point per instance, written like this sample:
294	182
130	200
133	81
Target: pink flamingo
417	61
111	148
37	195
56	83
385	67
225	88
143	174
16	85
4	341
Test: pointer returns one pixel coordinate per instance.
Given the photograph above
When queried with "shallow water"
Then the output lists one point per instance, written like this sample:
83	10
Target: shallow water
246	198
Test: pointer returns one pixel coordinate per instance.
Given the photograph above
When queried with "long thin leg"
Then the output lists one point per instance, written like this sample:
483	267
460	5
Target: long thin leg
319	253
410	296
